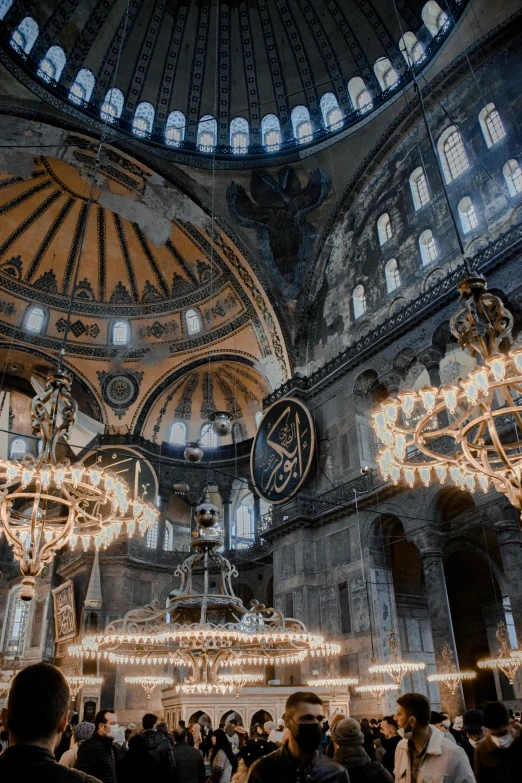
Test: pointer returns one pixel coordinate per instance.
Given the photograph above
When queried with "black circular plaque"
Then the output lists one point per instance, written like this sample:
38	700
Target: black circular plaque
282	451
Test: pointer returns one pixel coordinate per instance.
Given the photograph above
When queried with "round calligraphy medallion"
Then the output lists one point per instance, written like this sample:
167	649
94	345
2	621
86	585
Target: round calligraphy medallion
283	449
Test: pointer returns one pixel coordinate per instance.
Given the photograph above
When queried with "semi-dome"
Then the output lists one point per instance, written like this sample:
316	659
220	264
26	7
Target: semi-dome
277	77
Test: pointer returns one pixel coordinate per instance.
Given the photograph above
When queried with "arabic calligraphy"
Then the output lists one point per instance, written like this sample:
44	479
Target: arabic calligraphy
282	451
64	613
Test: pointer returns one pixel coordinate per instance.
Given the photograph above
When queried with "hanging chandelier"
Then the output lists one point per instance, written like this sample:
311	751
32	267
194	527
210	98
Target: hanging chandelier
451	677
508	661
377	687
47	502
148	682
396	668
77	682
470	432
206	632
333	682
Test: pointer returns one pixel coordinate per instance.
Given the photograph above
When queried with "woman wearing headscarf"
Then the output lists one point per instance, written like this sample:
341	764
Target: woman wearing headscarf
222	760
195	730
138	766
82	731
348	741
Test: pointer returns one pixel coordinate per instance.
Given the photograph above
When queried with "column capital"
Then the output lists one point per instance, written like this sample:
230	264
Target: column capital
430	543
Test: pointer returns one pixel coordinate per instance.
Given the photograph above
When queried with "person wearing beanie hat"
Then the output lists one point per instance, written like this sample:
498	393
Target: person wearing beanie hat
348	742
82	731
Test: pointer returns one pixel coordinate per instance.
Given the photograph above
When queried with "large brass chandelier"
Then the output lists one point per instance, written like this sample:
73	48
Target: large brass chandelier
452	677
469	432
508	661
47	502
205	631
396	668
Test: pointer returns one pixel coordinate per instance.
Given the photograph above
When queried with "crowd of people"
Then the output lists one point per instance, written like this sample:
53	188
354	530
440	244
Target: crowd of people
414	745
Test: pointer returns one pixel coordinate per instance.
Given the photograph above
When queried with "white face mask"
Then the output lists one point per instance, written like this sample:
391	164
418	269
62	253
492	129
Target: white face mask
474	743
458	725
503	742
446	723
114	730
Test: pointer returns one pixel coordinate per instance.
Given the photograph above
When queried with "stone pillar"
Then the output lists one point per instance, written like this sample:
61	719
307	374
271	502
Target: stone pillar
510	543
257	515
441	624
227	524
162	508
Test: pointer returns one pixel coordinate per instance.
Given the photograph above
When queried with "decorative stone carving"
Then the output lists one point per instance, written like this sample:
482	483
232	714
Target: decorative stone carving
120	390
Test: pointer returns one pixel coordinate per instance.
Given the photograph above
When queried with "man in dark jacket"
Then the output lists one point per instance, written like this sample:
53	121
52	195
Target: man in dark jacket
158	744
499	758
348	741
390	731
36	715
190	738
299	759
190	767
97	756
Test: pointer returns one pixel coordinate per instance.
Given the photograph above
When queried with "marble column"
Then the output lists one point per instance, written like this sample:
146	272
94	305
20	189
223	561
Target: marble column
510	544
441	624
227	524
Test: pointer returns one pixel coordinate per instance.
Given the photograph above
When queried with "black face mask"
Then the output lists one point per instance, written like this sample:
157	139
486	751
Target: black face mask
308	736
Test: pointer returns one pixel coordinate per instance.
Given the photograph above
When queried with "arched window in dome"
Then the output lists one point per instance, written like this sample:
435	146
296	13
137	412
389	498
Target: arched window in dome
491	124
52	65
452	153
175	128
386	74
271	133
258	417
244	524
359	95
301	124
18	448
143	120
332	114
513	176
207	133
5	5
16	624
35	320
112	106
82	87
120	333
384	229
239	135
411	48
25	35
359	301
434	17
468	216
392	274
193	321
151	539
419	188
428	247
178	433
237	432
208	438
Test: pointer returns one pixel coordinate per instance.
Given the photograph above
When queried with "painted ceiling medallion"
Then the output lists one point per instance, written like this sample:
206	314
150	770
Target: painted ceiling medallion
120	390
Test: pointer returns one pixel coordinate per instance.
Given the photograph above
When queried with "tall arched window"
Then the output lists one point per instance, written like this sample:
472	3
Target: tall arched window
51	66
244	528
392	274
178	433
18	448
207	133
491	124
411	48
143	119
468	216
332	114
359	301
434	17
175	128
386	74
237	432
384	228
16	624
151	539
513	176
419	188
112	106
301	124
168	539
35	320
5	5
193	321
452	153
271	133
82	87
120	333
428	247
359	95
239	135
25	35
208	438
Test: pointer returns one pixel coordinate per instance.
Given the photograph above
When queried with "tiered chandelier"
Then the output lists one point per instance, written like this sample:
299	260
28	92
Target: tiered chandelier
396	668
46	502
471	432
149	682
451	677
333	682
508	661
77	681
377	686
208	634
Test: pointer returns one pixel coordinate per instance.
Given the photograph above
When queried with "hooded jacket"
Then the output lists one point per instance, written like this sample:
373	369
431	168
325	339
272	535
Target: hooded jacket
160	749
499	765
443	760
361	769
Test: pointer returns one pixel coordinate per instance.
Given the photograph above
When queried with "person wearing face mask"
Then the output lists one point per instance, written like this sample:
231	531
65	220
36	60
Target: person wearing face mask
438	720
499	758
299	759
97	755
425	753
474	733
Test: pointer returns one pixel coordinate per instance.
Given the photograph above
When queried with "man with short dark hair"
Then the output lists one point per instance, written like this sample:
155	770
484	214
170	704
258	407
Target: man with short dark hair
158	745
425	752
389	729
499	758
190	739
97	756
36	716
190	767
299	760
473	733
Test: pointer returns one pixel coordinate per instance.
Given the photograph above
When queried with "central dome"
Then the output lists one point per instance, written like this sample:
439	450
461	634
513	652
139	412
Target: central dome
230	78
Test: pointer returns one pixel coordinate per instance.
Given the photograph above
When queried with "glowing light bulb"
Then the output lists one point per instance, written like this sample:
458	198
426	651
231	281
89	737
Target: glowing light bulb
391	410
27	476
11	472
470	389
425	475
450	396
131	527
408	400
441	472
380	421
428	396
395	473
59	476
409	475
481	379
95	476
483	481
497	365
400	445
45	477
517	359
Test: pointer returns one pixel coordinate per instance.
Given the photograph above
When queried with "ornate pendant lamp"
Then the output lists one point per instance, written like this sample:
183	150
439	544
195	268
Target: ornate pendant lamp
508	661
221	423
451	677
77	682
377	687
396	668
148	682
470	432
333	682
